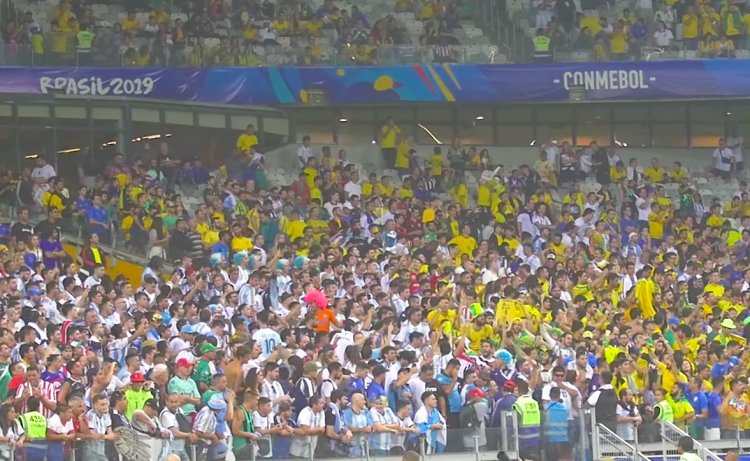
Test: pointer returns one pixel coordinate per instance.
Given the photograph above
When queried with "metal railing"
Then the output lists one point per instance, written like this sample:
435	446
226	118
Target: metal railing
670	436
610	446
215	53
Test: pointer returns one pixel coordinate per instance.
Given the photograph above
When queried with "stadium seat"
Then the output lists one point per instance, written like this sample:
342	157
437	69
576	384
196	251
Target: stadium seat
142	18
690	54
405	17
181	16
211	42
100	11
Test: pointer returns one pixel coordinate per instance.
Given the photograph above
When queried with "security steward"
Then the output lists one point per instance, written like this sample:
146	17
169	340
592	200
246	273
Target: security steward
529	422
34	425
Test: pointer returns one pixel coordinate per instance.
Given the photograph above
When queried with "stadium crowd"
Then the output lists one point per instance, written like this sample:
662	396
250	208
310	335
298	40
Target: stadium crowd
611	32
227	33
308	318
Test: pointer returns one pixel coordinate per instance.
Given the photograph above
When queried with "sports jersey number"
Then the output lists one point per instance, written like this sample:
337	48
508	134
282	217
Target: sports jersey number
270	345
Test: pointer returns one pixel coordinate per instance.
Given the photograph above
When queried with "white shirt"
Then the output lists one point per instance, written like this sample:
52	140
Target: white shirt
564	396
91	281
594	397
723	159
47	171
304	153
268	340
56	425
644	211
626	430
663	38
586	162
524	219
301	446
736	145
272	390
352	188
666	16
634	173
267	33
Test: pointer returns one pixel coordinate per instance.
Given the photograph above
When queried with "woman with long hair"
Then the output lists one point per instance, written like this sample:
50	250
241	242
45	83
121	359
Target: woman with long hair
11	433
158	237
33	252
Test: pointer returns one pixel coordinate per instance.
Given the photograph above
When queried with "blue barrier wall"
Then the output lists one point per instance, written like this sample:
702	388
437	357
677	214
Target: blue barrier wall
418	83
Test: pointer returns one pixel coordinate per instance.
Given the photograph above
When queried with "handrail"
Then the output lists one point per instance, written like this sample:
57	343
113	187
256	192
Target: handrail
613	436
700	449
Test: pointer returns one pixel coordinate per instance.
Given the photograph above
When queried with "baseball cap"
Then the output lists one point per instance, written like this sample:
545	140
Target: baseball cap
217	403
509	386
310	366
188	329
728	323
477	393
674	321
137	378
588	334
35	292
183	363
207	348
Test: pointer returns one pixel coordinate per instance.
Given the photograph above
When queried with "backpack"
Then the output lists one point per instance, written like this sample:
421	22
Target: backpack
468	418
299	400
319	392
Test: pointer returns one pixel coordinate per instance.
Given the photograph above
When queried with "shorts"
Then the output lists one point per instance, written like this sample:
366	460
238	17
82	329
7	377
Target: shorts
722	174
559	450
712	434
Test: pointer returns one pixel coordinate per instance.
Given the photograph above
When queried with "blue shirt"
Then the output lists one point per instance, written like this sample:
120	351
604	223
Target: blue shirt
221	248
713	402
374	391
720	369
282	444
352	419
83	205
98	214
699	403
454	397
356	384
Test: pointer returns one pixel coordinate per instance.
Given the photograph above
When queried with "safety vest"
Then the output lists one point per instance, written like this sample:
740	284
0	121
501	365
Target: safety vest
531	418
666	413
136	401
556	423
96	255
35	426
541	45
85	40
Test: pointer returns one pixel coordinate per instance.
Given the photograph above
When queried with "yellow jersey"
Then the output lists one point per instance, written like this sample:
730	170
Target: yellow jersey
246	141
